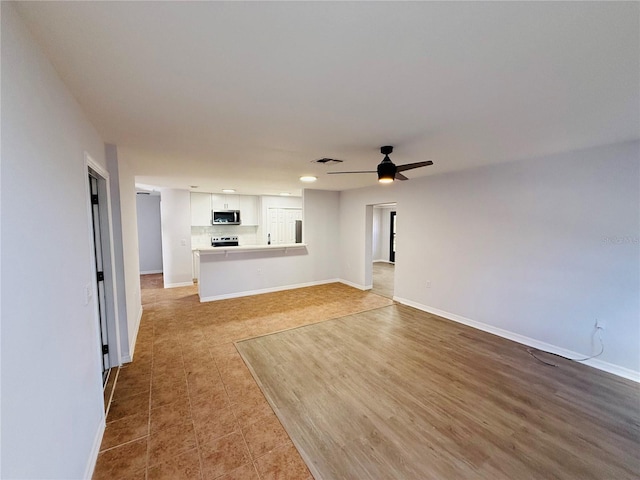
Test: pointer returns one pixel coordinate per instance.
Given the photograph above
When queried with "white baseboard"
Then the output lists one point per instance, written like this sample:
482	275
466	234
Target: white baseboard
132	341
150	272
181	284
95	449
531	342
382	260
355	285
266	290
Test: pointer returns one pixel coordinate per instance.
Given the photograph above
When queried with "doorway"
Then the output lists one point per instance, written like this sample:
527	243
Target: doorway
392	238
101	291
98	256
383	249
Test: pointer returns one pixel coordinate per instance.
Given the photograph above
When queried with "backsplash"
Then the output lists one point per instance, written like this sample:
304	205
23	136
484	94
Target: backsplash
201	236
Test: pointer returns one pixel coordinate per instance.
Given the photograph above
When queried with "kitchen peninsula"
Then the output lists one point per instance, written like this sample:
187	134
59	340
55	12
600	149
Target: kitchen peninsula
228	272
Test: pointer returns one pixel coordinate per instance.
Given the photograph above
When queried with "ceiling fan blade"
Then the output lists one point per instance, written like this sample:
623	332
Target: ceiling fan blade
400	176
362	171
409	166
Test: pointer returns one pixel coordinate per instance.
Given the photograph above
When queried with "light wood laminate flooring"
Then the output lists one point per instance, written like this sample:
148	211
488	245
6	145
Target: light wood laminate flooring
396	393
383	279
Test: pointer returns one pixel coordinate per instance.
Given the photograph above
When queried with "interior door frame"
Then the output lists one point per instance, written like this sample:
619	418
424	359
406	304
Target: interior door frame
110	293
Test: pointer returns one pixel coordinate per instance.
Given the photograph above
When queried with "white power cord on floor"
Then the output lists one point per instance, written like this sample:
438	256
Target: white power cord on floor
598	330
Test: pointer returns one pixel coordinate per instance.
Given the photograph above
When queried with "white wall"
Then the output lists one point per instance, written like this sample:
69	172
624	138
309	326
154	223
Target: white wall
177	260
376	236
125	250
52	406
126	181
535	250
244	273
149	233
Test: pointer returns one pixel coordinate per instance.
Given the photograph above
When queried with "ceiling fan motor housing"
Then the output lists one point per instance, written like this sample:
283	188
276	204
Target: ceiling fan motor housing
386	150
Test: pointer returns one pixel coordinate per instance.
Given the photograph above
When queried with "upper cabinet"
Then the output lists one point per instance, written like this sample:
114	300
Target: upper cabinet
248	210
200	209
225	202
203	203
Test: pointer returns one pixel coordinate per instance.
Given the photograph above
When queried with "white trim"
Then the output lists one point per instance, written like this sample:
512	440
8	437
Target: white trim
181	284
384	261
132	343
149	272
266	290
95	450
100	170
531	342
355	285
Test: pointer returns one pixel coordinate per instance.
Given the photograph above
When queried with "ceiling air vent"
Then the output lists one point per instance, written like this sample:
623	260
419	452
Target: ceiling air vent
327	161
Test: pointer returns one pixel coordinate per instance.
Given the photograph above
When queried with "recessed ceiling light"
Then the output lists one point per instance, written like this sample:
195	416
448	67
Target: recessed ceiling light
194	186
228	190
285	194
308	178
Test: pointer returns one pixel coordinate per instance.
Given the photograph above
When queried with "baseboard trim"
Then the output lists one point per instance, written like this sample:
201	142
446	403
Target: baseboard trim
132	342
530	342
355	285
95	449
150	272
247	293
181	284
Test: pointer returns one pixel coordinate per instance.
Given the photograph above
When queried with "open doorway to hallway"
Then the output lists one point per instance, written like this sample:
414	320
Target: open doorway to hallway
383	244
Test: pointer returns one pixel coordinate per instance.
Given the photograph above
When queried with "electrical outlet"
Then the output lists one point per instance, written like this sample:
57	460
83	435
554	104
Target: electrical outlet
428	284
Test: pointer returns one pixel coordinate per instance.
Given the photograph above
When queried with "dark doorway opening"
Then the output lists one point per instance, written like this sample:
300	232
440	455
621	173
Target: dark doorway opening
392	239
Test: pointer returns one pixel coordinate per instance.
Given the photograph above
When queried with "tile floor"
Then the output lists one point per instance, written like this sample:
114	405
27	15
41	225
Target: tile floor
187	406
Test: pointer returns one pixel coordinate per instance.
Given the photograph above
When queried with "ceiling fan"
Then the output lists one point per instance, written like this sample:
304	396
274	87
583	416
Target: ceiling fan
387	170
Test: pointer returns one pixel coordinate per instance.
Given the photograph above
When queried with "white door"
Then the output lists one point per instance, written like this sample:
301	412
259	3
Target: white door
281	225
98	245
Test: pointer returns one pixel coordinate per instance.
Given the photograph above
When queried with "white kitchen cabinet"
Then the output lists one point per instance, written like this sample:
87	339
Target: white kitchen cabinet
225	202
249	209
200	209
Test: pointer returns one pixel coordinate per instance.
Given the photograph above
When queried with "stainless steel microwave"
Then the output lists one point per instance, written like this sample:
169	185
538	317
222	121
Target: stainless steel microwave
226	217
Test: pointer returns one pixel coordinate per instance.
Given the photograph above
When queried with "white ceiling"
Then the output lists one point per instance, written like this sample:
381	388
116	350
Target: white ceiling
245	95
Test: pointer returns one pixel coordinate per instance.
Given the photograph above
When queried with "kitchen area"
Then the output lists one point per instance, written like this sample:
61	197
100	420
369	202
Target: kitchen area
228	230
237	245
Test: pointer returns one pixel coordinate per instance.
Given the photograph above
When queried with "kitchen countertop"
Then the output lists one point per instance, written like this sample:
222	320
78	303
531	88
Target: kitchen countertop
247	248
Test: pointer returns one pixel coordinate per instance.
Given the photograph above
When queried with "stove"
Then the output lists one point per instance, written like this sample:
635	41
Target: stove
229	241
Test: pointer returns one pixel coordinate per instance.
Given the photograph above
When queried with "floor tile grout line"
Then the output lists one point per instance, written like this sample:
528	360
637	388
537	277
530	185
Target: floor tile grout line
153	357
122	444
246	445
195	433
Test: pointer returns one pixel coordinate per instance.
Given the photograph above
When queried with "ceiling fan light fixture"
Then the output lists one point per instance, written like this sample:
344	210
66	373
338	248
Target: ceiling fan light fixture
386	171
